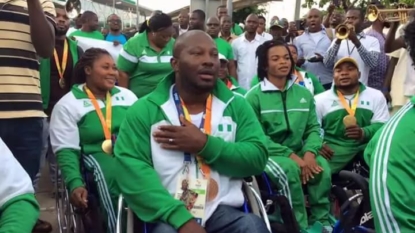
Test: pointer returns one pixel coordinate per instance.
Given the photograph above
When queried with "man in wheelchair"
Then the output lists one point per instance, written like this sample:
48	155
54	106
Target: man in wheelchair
350	114
286	112
19	209
184	149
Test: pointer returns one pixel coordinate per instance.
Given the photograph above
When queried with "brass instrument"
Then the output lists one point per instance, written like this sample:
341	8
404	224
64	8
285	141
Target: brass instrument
343	31
398	14
73	8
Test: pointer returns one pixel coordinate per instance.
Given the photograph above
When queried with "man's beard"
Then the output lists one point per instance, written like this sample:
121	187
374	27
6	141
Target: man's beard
61	32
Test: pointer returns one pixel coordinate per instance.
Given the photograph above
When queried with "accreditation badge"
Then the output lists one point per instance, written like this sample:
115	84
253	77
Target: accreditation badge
192	192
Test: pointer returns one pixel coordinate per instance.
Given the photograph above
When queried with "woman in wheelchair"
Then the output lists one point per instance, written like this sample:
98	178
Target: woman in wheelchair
286	112
83	129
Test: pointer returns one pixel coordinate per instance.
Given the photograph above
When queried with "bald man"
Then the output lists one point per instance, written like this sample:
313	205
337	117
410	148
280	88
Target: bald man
183	22
244	48
224	48
172	191
312	46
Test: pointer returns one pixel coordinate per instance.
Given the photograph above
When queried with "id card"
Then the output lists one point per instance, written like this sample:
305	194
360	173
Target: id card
192	192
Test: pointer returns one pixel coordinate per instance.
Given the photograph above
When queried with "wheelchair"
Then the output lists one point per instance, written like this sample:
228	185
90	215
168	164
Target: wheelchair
73	220
355	213
253	204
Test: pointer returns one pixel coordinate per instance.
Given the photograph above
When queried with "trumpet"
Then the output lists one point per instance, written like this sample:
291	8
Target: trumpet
73	8
399	14
343	31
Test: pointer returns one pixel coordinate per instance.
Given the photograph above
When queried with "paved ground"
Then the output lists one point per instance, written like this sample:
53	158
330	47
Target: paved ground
47	202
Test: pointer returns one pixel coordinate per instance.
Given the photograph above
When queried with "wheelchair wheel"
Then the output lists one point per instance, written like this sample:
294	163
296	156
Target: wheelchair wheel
67	220
251	191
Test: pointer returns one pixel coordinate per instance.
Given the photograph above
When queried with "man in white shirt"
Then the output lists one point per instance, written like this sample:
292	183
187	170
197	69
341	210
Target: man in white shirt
312	46
261	28
244	49
183	22
364	49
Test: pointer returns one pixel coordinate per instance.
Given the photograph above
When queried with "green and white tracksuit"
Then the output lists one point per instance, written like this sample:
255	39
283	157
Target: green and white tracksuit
390	155
76	133
19	209
311	82
144	65
371	113
234	150
288	118
235	88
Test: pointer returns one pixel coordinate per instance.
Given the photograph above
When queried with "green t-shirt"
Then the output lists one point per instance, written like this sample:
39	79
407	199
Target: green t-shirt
144	65
236	29
224	48
93	35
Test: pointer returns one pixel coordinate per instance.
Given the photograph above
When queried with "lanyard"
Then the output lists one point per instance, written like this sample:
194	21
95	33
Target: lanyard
205	126
348	49
61	67
300	79
228	83
105	122
351	110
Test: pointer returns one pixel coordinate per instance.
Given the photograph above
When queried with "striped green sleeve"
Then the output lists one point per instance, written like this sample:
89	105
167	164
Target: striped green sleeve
128	56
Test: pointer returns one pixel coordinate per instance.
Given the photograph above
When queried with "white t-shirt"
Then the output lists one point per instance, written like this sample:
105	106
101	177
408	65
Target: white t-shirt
245	56
348	49
317	36
266	36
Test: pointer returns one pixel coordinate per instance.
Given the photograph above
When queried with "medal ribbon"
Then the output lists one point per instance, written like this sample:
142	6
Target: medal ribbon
300	79
351	110
61	67
105	122
205	127
229	83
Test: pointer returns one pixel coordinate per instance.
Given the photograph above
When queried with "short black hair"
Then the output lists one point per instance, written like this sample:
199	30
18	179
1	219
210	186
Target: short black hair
87	59
262	17
157	22
262	55
360	10
87	15
201	14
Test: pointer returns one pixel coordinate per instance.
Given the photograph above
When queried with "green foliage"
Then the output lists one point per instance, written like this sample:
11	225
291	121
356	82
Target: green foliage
240	15
356	3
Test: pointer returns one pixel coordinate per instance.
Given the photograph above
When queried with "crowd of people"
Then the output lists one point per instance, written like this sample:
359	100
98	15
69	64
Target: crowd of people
190	109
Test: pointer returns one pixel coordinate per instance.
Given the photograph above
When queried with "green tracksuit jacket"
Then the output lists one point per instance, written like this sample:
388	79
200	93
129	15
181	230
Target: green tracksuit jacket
371	113
288	118
75	130
311	82
235	88
390	155
147	175
19	209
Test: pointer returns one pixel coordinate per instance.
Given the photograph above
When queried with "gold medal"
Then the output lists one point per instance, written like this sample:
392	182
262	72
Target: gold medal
107	146
349	120
213	189
62	83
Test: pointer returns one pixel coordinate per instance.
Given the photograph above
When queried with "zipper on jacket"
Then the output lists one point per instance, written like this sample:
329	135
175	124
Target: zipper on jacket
284	104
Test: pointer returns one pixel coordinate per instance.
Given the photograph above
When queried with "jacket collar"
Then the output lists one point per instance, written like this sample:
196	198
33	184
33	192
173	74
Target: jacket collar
266	85
362	88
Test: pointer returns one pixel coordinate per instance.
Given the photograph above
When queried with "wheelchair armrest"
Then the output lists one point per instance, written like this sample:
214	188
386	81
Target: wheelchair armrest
359	180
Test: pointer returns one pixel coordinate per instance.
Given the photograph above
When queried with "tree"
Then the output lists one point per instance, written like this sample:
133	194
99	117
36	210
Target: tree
356	3
240	15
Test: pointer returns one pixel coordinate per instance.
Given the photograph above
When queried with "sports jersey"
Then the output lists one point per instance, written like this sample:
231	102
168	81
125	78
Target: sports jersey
92	35
76	135
224	48
145	66
19	209
310	81
371	113
289	120
142	160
